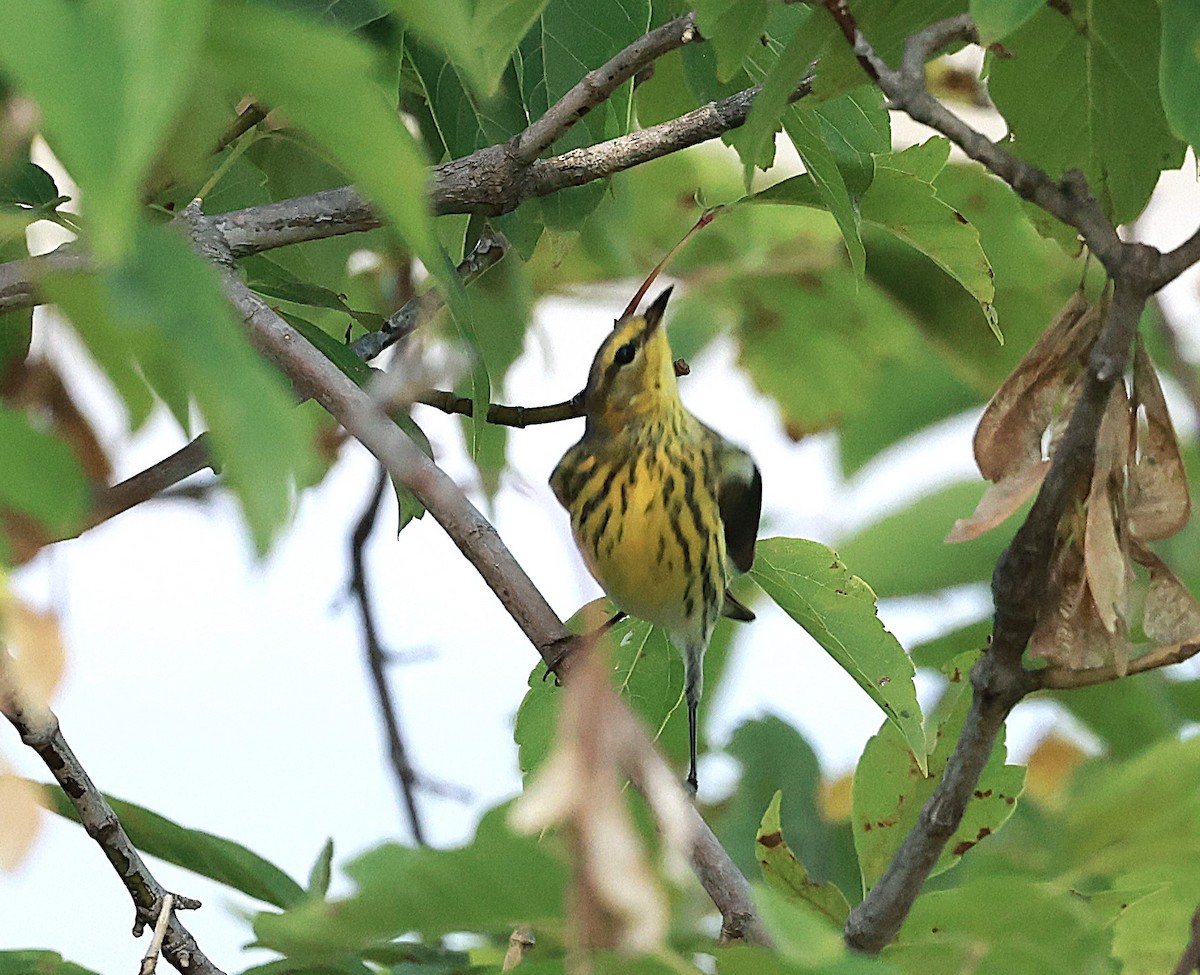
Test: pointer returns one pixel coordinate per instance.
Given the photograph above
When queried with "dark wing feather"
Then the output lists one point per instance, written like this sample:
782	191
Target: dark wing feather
739	496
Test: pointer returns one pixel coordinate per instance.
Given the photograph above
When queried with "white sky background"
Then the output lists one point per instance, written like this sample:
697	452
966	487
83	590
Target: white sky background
232	696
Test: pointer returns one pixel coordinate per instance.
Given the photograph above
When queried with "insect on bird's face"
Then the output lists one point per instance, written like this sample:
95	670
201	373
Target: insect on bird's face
633	374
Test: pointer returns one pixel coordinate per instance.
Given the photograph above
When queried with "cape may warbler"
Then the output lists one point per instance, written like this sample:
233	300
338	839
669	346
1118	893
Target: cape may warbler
658	501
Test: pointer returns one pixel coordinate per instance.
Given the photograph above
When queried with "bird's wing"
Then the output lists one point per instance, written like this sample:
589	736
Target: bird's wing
739	496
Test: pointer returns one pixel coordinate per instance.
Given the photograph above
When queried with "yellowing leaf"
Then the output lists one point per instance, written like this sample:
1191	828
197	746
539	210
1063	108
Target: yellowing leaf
782	871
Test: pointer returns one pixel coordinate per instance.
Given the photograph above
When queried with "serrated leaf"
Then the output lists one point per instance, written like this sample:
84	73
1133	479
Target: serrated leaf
890	788
498	881
333	93
810	583
1179	72
107	91
39	475
784	873
1086	96
202	853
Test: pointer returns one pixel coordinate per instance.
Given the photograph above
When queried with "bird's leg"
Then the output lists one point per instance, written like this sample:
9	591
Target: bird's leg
691	779
567	646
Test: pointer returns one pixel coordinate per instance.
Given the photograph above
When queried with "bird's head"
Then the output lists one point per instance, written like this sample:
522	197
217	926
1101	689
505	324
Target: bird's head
633	374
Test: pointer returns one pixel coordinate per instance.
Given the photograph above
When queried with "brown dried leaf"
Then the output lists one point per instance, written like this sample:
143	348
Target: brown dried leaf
1106	562
1069	633
20	816
1009	435
616	900
35	643
1170	614
999	501
1159	505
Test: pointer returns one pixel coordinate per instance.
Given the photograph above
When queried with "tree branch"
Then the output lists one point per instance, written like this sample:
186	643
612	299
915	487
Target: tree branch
316	377
1019	583
596	86
406	779
39	729
505	416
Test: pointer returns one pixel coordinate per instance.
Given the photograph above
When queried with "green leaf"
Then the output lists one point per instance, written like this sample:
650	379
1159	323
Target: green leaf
972	929
497	882
319	875
808	136
646	669
906	205
929	564
498	29
774	756
816	589
334	95
164	307
275	281
33	962
784	873
1085	95
202	853
447	26
890	789
732	27
1179	72
842	331
1129	716
40	476
108	79
996	19
27	188
756	140
339	353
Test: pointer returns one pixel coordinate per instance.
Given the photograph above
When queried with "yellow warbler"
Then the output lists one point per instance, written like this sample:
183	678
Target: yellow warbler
658	501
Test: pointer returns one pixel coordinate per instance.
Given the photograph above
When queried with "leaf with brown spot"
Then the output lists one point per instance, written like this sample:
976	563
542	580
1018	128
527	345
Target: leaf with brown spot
1159	504
782	871
1009	435
890	790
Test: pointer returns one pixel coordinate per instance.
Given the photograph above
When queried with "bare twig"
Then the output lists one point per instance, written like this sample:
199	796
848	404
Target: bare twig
1019	583
188	460
150	959
39	729
596	86
1189	961
505	416
1060	678
406	778
316	377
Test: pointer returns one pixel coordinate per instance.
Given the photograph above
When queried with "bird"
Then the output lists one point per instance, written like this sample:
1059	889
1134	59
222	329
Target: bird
660	504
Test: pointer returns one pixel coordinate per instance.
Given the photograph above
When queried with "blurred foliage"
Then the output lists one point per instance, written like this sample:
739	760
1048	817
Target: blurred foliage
864	295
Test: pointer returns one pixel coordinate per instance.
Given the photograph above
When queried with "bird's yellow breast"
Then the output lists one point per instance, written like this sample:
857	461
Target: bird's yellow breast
646	520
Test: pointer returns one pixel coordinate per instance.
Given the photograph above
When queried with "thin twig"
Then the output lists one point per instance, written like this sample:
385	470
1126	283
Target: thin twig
505	416
150	959
39	729
402	770
596	86
316	377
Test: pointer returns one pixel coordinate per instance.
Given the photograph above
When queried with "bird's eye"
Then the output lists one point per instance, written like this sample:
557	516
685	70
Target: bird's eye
625	354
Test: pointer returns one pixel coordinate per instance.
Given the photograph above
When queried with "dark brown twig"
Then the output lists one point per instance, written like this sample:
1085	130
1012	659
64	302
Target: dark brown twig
402	770
505	416
39	729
